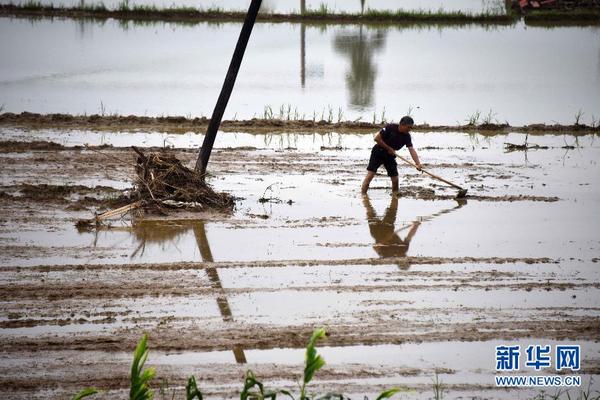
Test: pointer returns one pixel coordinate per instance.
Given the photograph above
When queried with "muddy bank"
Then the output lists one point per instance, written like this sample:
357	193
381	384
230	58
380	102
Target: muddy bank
189	15
54	193
104	198
192	15
399	261
69	198
179	124
423	193
372	332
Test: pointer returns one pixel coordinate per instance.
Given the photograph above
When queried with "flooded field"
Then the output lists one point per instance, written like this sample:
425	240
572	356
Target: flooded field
295	6
444	74
407	287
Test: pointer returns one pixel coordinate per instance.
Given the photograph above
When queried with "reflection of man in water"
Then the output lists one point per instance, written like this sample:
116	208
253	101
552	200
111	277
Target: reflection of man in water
387	241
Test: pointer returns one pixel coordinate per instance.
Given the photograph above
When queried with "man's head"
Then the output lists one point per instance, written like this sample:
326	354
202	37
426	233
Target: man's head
406	124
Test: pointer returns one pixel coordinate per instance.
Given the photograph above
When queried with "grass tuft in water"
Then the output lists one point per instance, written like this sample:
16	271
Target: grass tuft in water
438	387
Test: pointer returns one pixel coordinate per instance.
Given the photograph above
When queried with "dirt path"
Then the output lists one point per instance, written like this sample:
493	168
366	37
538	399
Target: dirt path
179	124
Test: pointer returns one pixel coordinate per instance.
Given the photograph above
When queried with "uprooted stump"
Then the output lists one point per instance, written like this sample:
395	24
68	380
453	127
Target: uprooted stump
162	181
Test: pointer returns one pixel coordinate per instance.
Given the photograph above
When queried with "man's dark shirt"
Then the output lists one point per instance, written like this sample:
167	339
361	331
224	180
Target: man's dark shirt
393	138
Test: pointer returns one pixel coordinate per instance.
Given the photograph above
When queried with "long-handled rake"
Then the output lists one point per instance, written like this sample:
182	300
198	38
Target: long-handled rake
461	191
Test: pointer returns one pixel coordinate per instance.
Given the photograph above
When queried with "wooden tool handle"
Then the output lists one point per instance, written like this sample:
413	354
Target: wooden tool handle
429	173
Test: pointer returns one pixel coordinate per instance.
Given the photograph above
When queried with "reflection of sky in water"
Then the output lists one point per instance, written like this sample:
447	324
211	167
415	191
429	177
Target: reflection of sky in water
282	6
445	74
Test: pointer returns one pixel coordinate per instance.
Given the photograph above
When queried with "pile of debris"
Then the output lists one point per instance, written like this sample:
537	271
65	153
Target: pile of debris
162	182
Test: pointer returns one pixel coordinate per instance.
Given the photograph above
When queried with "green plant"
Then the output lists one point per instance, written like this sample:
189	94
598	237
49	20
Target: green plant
253	388
340	115
322	10
438	387
123	5
140	377
330	115
388	393
473	119
191	390
85	393
248	392
489	117
313	361
578	116
562	393
268	112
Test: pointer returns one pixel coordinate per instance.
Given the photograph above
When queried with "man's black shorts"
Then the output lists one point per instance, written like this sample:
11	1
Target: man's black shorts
380	156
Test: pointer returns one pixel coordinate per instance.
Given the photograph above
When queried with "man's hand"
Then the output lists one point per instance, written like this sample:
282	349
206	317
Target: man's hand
419	167
391	151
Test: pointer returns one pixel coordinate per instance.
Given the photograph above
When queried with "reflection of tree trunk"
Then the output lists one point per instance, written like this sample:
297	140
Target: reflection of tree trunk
81	22
302	45
215	283
302	54
202	242
360	47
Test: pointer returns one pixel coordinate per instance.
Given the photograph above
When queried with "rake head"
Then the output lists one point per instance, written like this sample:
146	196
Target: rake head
462	193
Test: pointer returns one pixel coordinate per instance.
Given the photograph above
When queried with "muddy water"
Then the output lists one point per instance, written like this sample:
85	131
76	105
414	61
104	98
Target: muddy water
288	6
406	287
255	166
334	72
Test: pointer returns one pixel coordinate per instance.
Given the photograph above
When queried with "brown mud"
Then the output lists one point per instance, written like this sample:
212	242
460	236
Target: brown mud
69	197
177	124
422	193
120	162
73	305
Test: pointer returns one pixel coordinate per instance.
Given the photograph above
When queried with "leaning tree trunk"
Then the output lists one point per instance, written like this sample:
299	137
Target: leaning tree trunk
234	67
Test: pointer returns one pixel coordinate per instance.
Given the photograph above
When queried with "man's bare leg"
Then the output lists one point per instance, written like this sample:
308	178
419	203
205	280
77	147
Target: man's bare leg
365	185
394	184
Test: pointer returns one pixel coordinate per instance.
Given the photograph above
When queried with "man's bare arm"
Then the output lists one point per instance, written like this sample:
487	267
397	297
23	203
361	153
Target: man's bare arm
415	157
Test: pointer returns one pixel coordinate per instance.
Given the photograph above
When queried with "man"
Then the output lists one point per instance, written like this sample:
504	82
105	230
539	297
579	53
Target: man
391	138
